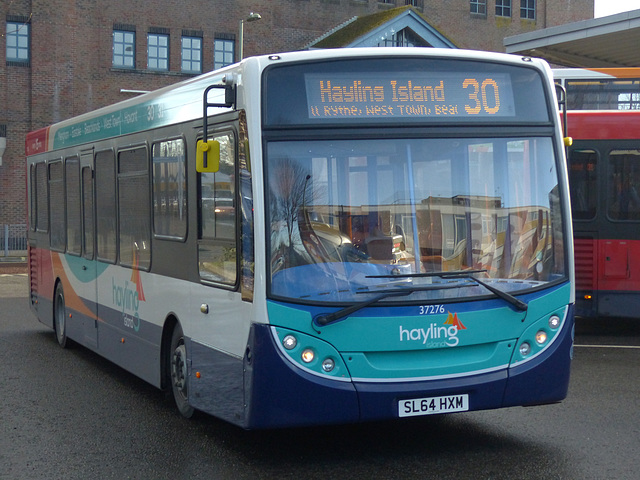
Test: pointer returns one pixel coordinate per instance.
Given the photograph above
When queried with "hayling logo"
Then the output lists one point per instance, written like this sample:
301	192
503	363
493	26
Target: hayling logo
128	298
435	336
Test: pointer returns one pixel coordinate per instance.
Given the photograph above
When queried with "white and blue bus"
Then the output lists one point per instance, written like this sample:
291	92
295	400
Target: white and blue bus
316	237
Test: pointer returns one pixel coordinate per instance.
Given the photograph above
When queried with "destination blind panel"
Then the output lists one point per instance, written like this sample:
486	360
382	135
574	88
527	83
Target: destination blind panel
419	94
408	90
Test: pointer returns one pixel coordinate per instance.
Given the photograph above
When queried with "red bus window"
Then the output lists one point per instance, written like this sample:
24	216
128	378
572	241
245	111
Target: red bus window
624	178
582	181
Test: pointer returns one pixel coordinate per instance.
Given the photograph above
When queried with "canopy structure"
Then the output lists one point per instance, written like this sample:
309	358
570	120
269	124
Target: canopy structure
604	42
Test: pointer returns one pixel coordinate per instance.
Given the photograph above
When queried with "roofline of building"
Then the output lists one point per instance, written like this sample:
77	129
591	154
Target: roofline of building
573	31
350	32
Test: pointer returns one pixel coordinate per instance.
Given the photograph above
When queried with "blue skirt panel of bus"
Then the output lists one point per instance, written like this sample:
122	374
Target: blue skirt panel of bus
542	380
279	394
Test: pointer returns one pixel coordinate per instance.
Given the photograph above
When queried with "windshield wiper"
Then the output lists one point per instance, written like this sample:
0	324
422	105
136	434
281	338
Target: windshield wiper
327	318
468	274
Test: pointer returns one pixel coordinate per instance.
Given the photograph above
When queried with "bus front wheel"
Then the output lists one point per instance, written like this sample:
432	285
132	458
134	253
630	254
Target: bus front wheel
178	372
60	317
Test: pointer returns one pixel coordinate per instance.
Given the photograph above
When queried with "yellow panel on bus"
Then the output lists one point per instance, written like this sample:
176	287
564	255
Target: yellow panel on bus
211	161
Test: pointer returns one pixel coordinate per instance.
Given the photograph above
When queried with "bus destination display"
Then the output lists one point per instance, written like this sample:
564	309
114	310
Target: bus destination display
404	95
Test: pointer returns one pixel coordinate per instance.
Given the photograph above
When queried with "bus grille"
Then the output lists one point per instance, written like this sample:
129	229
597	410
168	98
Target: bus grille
33	277
585	261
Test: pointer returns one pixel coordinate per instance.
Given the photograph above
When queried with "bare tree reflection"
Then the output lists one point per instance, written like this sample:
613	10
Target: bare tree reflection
289	189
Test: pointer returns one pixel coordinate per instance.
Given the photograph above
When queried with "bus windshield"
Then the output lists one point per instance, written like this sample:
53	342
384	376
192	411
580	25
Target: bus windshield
351	219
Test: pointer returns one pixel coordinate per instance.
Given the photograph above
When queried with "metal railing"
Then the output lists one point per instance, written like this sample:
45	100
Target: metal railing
13	240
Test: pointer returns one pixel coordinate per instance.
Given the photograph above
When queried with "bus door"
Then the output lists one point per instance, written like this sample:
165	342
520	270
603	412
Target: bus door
218	245
88	269
583	184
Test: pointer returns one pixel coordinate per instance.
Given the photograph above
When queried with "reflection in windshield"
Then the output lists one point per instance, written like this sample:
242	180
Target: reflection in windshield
344	212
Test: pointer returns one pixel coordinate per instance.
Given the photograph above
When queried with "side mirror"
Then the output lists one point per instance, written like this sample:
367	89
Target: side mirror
208	156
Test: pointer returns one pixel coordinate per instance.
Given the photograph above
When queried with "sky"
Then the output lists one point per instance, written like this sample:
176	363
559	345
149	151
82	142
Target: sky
603	8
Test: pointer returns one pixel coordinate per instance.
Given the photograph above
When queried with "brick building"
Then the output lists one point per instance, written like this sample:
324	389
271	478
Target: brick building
61	58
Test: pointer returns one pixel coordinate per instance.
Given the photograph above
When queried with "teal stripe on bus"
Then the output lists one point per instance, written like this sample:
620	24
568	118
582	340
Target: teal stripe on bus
174	104
112	124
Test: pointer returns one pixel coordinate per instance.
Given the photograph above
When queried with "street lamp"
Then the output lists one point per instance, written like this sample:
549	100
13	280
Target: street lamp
253	17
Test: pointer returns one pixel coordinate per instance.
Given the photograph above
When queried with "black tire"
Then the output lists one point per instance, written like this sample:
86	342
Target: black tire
60	317
178	375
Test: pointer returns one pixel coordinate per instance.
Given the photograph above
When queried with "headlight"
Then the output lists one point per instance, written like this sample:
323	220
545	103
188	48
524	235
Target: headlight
328	365
554	321
307	355
289	342
310	353
541	337
538	336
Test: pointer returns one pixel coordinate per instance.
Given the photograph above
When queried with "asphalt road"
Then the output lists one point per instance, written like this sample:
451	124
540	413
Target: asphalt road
70	414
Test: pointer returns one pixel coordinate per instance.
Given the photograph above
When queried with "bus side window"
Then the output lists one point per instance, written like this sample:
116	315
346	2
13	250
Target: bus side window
217	246
582	182
56	206
106	206
42	198
73	206
87	212
624	203
169	189
32	197
134	208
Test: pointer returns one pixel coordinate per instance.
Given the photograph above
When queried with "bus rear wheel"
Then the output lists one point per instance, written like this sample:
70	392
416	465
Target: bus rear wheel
178	372
60	317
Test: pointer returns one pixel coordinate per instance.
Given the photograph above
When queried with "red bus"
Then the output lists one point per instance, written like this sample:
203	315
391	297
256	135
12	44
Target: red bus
604	178
600	88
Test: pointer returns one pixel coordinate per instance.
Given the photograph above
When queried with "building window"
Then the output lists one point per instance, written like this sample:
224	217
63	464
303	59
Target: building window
158	51
528	9
17	42
223	52
191	54
478	6
503	8
403	38
124	49
629	101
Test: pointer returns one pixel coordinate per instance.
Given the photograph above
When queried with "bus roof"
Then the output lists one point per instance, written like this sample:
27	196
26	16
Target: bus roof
595	73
